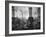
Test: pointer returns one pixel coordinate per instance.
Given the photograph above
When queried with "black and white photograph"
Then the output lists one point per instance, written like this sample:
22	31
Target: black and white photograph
24	18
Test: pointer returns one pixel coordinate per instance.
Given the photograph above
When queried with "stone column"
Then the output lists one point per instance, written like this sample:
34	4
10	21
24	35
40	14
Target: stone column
30	12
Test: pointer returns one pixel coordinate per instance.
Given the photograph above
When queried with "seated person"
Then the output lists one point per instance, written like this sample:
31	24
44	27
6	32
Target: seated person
29	22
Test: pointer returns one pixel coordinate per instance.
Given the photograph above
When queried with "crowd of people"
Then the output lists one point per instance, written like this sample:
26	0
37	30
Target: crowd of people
18	24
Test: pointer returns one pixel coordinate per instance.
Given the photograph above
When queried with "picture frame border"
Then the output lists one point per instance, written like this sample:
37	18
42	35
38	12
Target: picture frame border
7	17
